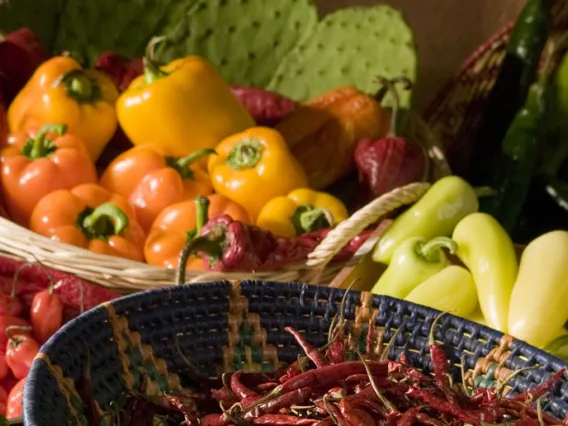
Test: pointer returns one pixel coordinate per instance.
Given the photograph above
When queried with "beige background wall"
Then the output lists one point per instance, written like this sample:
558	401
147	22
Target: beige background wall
446	31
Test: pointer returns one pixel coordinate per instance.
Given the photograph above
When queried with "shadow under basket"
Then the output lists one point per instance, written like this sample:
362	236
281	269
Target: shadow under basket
223	326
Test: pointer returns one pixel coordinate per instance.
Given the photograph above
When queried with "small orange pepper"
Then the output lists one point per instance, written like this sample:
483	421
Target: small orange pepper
37	163
181	221
89	216
151	179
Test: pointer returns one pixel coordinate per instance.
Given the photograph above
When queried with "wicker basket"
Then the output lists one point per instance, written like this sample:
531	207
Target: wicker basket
222	327
126	275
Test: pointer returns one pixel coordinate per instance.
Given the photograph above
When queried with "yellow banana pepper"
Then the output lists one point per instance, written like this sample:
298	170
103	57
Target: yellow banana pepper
302	210
184	106
253	167
489	254
450	290
60	91
539	305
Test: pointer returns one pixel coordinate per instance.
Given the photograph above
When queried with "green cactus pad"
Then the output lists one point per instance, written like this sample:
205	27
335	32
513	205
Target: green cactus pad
349	47
246	39
89	27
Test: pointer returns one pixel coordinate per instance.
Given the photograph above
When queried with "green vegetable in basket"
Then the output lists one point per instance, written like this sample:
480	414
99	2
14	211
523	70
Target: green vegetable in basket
509	93
512	176
538	302
450	290
436	214
489	254
413	262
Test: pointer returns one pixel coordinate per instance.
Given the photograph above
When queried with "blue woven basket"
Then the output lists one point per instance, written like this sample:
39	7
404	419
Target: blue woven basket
226	326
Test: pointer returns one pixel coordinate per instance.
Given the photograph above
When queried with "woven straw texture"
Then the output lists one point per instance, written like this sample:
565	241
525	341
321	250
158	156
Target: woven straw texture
224	326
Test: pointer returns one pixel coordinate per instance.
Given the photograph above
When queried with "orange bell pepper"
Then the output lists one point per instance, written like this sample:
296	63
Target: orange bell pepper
181	221
151	180
89	216
37	163
60	91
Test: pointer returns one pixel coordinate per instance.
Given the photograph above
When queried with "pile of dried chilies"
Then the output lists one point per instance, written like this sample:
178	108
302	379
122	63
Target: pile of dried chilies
337	385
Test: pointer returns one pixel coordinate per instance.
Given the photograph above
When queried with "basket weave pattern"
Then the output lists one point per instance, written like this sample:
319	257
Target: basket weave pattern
222	327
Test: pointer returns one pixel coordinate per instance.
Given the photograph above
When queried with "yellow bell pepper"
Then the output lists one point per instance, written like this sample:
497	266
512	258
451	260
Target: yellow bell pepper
538	304
253	167
60	91
184	106
302	210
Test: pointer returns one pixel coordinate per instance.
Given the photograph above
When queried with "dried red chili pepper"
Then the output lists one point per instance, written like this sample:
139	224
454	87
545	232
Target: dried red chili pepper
408	417
312	353
85	392
297	397
239	389
282	420
21	52
538	391
119	68
390	162
267	108
439	358
187	408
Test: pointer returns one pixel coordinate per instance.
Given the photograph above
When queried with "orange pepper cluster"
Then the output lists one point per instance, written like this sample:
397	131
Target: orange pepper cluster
192	137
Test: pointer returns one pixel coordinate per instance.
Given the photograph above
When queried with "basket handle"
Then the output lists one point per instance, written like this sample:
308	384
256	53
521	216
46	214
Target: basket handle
361	219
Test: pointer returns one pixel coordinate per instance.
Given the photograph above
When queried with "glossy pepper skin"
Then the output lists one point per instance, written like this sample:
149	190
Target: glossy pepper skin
184	106
302	210
90	217
322	133
253	167
60	91
35	163
489	254
179	223
151	180
450	290
538	307
436	214
413	262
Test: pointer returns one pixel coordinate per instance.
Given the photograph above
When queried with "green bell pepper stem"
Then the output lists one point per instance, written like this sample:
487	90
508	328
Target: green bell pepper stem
181	165
152	70
245	154
40	146
105	221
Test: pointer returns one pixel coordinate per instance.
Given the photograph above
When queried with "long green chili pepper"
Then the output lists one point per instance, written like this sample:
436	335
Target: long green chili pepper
518	159
558	191
509	93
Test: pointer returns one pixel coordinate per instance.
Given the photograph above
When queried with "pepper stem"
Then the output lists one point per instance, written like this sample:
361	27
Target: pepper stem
103	222
431	250
17	328
485	191
388	86
212	244
201	217
79	87
152	71
181	165
431	338
40	146
308	218
245	154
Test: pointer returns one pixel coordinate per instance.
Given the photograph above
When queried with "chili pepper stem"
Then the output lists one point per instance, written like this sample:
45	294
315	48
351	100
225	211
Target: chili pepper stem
389	84
211	244
181	165
104	221
381	397
12	328
40	146
431	250
431	338
201	213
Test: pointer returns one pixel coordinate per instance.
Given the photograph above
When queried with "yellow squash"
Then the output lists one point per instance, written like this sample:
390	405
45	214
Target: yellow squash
184	106
302	210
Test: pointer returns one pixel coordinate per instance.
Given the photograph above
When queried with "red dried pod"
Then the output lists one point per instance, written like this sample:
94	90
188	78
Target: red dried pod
21	52
119	68
267	108
390	162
